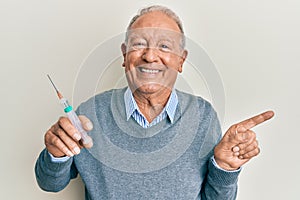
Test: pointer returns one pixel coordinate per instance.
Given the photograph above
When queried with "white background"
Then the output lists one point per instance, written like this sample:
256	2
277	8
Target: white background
254	44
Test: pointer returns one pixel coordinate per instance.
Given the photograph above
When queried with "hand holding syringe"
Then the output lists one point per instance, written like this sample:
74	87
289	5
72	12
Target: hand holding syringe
85	139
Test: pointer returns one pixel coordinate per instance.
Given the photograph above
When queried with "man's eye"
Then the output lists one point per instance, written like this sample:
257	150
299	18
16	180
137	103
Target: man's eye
139	44
165	47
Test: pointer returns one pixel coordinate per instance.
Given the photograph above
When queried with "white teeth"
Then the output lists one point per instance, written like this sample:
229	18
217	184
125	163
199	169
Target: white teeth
151	71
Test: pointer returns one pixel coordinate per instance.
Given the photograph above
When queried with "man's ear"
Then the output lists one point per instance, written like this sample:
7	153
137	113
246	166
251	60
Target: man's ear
123	49
182	59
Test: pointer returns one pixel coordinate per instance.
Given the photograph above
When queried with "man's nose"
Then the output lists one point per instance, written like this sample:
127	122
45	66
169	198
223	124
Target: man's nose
150	54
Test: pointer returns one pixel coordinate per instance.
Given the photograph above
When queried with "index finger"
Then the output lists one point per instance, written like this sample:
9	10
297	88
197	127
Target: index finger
68	127
254	121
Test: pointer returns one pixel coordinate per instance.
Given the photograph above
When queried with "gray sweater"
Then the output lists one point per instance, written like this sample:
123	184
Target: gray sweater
165	161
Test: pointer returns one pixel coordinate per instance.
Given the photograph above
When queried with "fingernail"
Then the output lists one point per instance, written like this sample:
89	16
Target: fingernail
76	150
69	153
77	136
89	125
235	149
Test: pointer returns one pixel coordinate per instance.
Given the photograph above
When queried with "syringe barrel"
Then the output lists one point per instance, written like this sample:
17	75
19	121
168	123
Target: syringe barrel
85	138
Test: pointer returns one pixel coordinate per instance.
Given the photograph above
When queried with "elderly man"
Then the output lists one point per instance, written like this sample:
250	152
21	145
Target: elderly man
143	120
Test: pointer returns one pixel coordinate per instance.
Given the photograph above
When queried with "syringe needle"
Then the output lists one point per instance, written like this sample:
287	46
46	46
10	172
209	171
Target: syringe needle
57	92
85	138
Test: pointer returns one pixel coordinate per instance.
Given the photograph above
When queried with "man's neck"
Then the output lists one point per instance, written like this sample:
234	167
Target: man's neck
151	105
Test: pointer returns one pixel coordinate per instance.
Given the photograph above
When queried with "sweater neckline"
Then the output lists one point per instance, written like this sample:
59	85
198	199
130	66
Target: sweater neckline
131	127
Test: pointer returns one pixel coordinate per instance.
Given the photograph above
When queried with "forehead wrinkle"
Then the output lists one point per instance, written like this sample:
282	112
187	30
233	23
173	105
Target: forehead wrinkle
156	33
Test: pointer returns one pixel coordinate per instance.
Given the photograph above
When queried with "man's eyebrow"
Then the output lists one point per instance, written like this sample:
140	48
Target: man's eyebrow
166	38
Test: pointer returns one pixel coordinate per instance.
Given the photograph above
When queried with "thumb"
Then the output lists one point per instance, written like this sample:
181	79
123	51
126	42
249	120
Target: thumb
86	123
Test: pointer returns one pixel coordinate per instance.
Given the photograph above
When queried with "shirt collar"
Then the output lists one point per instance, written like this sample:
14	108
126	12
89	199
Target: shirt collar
131	105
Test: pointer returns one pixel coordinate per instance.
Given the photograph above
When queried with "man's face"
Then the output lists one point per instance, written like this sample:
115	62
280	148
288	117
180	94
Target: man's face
153	54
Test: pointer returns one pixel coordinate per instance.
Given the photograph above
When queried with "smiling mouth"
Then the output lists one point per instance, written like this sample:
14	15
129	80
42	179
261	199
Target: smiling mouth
149	71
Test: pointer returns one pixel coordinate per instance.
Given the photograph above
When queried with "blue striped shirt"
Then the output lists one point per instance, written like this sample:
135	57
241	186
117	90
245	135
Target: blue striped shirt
132	109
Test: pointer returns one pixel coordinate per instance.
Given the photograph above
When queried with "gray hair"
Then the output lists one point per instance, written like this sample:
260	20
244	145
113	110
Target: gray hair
162	9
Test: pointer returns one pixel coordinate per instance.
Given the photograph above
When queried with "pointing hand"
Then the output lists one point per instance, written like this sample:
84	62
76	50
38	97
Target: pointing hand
239	143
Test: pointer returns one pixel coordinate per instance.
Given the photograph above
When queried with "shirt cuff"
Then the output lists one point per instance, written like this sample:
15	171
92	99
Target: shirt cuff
59	159
217	166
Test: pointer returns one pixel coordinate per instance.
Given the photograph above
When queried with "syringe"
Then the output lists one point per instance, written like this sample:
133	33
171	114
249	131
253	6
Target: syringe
85	138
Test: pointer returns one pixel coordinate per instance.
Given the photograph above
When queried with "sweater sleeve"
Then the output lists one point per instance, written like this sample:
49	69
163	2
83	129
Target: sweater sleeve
218	184
53	176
